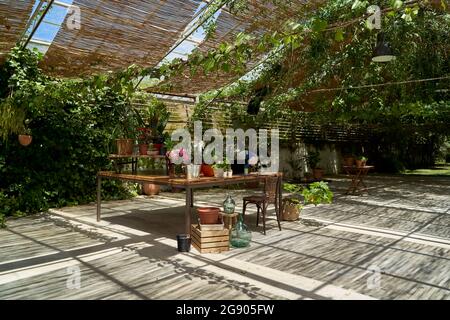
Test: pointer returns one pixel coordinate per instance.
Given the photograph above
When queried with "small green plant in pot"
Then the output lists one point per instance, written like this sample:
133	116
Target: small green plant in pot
316	193
313	160
220	168
361	161
292	205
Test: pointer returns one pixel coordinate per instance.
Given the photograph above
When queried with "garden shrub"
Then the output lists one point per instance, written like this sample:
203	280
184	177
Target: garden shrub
71	123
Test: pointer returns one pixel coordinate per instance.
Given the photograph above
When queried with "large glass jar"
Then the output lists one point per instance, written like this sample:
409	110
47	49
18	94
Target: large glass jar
240	236
229	205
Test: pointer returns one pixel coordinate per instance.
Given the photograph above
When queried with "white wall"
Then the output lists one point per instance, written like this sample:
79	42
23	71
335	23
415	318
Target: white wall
330	160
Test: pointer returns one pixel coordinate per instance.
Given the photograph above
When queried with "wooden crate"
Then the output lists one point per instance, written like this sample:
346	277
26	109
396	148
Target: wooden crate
210	241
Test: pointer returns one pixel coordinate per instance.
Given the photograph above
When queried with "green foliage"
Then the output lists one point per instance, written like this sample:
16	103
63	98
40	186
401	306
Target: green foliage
317	193
72	123
313	159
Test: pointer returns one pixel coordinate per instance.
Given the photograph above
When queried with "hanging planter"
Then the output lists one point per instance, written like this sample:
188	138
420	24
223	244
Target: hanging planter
25	139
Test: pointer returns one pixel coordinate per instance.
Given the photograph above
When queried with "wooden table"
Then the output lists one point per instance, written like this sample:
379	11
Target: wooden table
357	175
188	185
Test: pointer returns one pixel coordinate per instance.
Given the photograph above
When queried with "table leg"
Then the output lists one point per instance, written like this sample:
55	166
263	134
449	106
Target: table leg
187	211
99	197
279	201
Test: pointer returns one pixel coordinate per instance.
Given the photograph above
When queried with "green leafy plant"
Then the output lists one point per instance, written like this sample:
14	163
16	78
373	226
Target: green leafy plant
316	193
225	165
313	159
362	158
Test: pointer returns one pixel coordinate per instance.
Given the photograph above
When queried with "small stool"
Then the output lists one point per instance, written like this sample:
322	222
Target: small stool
229	219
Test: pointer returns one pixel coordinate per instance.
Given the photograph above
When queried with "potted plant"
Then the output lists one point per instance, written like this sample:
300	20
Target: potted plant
154	118
145	137
313	160
219	169
26	138
316	193
292	205
361	161
125	131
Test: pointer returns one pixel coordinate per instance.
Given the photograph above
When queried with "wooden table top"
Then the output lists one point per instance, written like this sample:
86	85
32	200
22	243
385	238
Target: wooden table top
355	168
140	156
183	182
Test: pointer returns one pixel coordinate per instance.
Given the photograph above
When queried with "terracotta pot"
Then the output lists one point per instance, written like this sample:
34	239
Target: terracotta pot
25	140
207	170
143	149
290	211
349	161
150	189
360	163
208	215
158	146
318	173
125	146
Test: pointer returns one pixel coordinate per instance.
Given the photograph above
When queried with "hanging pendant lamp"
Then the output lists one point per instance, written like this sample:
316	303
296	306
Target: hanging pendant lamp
382	52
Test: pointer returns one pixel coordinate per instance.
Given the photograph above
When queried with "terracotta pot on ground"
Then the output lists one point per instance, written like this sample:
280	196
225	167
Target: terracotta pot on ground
207	170
208	215
318	173
125	146
349	161
150	189
25	140
290	211
143	149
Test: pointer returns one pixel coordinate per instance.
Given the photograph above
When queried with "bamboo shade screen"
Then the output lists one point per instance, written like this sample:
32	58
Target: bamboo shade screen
227	27
117	33
14	15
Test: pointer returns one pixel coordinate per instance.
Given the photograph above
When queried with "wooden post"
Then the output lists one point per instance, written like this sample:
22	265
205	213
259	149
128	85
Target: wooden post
187	211
99	197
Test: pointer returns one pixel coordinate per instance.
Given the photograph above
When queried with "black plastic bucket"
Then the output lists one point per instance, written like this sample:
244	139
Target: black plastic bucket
184	242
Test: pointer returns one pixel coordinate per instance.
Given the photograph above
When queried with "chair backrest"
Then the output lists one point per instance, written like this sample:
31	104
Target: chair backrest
271	188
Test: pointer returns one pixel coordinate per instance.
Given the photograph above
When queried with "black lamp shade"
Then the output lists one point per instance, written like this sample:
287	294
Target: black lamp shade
382	52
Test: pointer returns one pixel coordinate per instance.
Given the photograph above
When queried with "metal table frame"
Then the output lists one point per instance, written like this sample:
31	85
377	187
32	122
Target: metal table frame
188	185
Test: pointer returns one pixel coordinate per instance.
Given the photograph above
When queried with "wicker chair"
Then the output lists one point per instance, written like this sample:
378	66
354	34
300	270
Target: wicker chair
262	201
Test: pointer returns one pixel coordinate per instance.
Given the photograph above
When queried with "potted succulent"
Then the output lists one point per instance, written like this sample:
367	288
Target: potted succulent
361	161
313	160
316	193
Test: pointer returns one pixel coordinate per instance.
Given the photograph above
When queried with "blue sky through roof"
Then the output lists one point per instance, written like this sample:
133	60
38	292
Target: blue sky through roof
55	17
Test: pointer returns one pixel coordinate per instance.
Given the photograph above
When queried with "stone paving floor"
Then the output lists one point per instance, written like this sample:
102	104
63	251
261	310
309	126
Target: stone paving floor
393	243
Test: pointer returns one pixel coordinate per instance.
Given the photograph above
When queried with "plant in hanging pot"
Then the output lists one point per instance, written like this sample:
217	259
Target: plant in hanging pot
313	160
25	138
